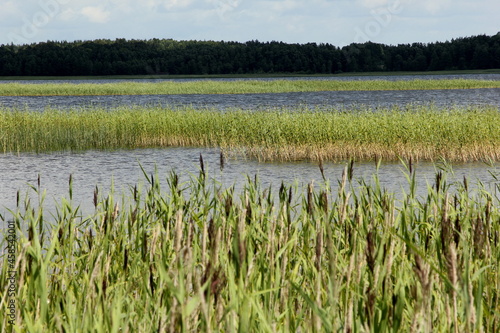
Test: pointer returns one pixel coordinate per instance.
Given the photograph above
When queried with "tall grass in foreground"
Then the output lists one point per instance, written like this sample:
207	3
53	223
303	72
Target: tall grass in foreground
418	132
233	87
198	257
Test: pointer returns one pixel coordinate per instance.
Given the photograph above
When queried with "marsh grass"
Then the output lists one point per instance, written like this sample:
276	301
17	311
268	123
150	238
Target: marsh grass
233	87
199	257
417	132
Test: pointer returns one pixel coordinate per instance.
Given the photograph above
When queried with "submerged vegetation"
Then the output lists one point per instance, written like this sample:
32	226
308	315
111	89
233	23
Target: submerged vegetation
233	87
417	132
199	257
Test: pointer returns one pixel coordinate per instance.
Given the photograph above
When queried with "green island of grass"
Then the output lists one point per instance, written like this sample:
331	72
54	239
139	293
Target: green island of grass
198	257
417	132
232	87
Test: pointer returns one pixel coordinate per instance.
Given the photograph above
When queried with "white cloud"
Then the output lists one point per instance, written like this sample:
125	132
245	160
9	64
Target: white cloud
332	21
96	14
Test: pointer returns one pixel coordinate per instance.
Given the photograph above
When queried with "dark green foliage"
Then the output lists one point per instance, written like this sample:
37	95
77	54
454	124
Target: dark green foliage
167	56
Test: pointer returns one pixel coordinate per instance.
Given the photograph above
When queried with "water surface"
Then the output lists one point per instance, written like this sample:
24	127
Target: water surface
123	168
323	99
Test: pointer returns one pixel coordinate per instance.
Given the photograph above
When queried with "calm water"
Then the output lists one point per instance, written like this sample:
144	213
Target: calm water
92	168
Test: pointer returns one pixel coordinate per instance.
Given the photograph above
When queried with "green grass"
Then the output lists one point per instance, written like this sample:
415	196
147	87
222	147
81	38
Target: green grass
232	87
199	257
418	132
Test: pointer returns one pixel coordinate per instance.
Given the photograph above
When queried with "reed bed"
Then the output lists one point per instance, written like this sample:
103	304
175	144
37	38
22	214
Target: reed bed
233	87
417	132
199	257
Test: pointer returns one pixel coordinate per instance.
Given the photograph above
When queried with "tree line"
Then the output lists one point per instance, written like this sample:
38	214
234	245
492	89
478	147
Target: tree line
167	56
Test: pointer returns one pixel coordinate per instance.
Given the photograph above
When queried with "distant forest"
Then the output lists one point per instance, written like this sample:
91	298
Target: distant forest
167	56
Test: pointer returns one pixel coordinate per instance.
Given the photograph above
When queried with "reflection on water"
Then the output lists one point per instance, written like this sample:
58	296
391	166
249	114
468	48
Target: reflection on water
92	168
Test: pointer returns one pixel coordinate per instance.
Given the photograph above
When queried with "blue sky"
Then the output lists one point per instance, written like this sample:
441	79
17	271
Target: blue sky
338	22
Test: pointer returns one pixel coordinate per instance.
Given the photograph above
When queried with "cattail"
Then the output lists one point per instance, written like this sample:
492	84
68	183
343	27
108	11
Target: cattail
90	239
422	271
446	228
324	201
202	168
439	178
343	182
350	170
310	199
479	237
96	195
282	192
70	187
370	251
136	193
319	247
228	204
452	270
221	160
144	245
248	209
321	169
115	212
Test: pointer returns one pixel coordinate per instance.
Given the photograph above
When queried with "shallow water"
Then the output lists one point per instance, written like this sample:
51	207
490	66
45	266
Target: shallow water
324	99
92	168
327	99
123	167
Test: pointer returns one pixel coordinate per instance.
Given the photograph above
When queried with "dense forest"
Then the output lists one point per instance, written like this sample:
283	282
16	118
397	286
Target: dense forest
167	56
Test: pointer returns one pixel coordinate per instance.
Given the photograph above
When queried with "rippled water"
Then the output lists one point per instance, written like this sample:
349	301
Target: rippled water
92	168
335	99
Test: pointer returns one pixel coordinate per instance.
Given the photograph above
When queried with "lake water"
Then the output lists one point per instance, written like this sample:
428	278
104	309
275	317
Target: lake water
92	168
324	99
98	168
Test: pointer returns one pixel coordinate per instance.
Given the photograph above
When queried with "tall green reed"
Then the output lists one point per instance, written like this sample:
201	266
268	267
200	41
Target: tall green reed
198	256
234	87
418	132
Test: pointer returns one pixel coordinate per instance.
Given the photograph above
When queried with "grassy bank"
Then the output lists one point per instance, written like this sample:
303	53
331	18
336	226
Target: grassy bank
197	257
232	87
419	132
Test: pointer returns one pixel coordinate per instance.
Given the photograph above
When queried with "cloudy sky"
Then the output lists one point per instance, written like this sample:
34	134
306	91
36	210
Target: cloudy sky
338	22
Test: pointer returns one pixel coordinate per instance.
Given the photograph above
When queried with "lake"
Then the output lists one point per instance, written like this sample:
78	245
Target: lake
92	168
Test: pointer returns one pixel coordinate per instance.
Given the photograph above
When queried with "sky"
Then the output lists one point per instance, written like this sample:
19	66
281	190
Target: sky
337	22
